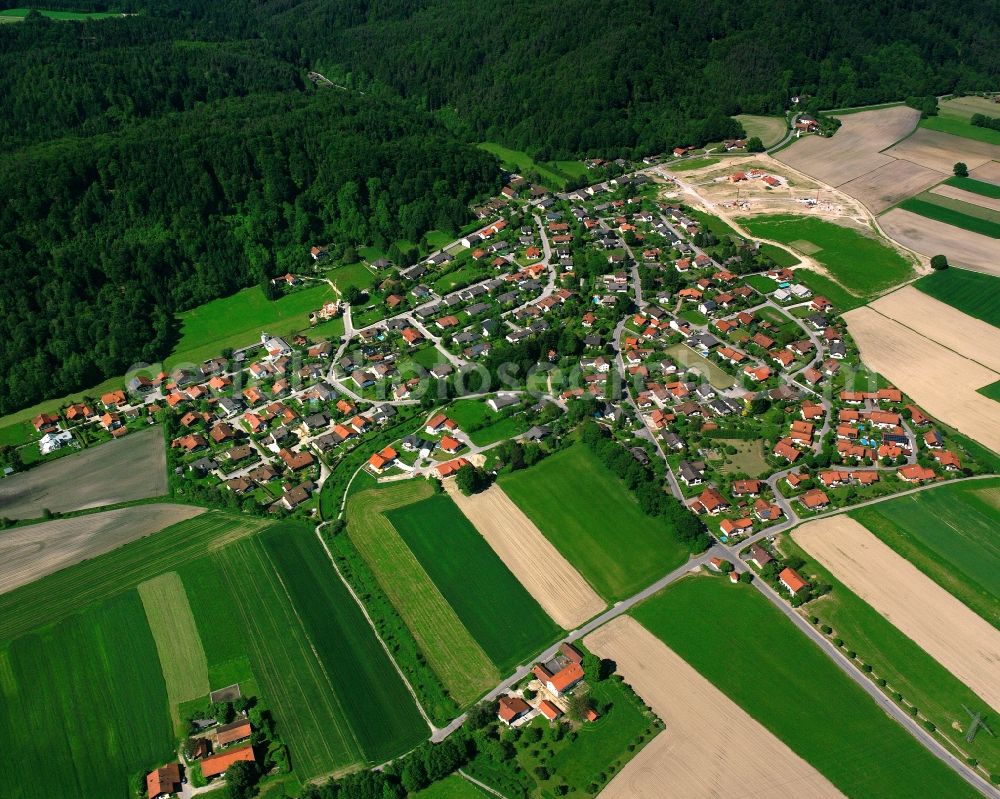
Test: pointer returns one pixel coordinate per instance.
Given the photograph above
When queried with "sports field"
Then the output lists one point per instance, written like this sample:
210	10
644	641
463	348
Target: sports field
590	517
501	615
749	650
956	213
208	602
907	668
950	534
971	292
459	661
862	264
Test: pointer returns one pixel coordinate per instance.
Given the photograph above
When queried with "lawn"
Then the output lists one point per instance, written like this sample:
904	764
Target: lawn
714	224
237	320
690	359
694	316
950	534
348	275
966	217
971	292
905	666
752	653
84	706
592	519
502	616
685	164
483	425
508	427
453	787
450	649
436	239
460	277
820	285
770	130
522	163
780	256
749	458
861	263
182	657
979	187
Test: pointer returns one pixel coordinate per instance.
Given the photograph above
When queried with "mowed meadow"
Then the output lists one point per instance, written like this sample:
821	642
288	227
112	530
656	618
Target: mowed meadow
100	662
593	520
750	651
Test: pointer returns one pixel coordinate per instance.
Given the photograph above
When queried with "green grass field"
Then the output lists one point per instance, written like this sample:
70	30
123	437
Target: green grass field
979	187
950	534
770	130
18	14
348	275
905	666
942	209
600	530
492	427
992	391
686	164
182	657
750	651
971	292
862	264
954	117
453	787
459	662
83	704
554	175
762	283
780	256
501	615
842	299
687	357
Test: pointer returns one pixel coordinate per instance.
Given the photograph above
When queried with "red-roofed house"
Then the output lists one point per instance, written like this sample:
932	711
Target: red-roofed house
915	473
562	680
216	765
792	581
512	708
549	710
165	781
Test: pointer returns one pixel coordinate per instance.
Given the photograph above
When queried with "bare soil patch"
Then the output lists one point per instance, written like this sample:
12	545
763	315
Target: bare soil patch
133	467
891	184
956	193
940	151
989	172
958	639
542	570
975	339
938	379
711	747
854	150
930	237
28	553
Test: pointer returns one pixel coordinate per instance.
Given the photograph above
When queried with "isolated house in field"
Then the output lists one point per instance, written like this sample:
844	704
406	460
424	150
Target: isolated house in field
792	581
165	781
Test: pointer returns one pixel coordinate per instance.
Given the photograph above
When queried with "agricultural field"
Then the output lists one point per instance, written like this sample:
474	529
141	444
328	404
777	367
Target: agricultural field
973	186
856	148
930	237
770	130
887	185
458	660
956	213
987	173
129	468
685	760
237	320
33	551
891	349
950	327
617	558
947	630
894	657
992	391
749	650
219	599
531	557
949	533
940	151
971	192
500	614
862	263
842	299
779	255
954	117
84	706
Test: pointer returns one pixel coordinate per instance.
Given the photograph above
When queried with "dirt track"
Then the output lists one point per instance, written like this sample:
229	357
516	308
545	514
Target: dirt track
134	467
941	381
710	747
28	553
958	639
536	563
930	237
938	321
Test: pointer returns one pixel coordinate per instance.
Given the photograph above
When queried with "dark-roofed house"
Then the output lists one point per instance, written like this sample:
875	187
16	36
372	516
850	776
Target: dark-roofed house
512	708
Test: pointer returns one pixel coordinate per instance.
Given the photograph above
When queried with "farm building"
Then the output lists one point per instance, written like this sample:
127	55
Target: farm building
216	765
165	781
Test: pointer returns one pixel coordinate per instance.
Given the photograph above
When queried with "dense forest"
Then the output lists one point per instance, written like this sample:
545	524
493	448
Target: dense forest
152	162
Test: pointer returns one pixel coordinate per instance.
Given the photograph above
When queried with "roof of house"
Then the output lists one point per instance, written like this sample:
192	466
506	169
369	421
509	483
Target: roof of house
549	710
163	780
566	677
792	580
214	765
511	707
235	731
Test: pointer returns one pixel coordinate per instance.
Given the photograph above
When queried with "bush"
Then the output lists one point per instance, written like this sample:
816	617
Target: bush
826	629
930	726
961	170
838	642
913	710
939	262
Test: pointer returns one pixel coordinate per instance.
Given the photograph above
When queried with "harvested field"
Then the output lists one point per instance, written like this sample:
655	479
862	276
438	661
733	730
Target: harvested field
940	151
688	758
939	322
990	172
930	237
891	183
539	566
133	467
854	150
947	630
939	380
28	553
955	193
